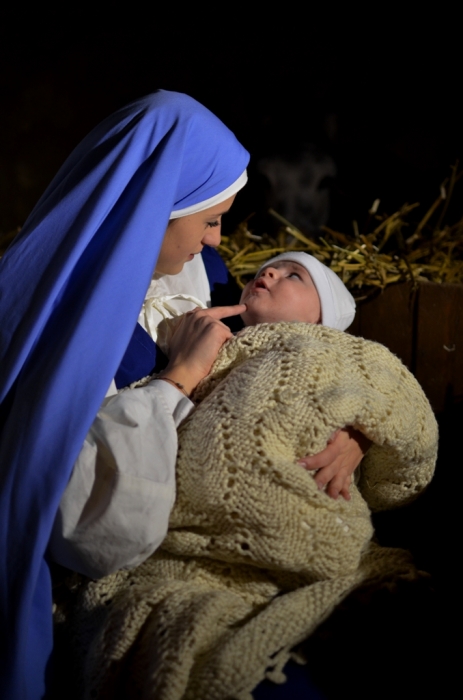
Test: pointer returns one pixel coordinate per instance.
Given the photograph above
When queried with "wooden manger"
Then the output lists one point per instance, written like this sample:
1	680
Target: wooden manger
422	325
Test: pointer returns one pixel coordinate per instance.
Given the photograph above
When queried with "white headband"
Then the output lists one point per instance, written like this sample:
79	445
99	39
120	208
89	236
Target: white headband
212	201
337	303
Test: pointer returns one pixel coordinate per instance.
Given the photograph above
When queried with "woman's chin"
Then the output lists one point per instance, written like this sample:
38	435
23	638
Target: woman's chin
172	269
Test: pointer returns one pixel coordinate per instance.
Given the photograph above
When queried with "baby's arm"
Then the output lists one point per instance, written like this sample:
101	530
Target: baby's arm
338	461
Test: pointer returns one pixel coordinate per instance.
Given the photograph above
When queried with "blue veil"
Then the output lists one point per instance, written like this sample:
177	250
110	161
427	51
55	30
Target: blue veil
71	287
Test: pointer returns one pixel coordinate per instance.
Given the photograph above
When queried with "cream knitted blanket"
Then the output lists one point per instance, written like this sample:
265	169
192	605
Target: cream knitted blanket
256	556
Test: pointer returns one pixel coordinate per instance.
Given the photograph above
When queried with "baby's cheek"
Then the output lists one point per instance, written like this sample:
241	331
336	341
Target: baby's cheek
245	318
244	292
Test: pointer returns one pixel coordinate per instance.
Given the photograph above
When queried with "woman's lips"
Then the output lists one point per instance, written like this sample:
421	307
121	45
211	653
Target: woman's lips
192	255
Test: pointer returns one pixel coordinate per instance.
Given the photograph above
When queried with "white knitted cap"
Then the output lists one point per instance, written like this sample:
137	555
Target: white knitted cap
337	303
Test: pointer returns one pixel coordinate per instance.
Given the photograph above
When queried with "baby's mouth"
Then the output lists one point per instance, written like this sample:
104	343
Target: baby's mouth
259	284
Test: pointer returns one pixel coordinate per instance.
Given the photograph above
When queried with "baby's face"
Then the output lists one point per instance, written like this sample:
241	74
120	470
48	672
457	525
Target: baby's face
283	291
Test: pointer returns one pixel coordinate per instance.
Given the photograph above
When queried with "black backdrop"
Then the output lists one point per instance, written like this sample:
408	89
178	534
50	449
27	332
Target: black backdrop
379	92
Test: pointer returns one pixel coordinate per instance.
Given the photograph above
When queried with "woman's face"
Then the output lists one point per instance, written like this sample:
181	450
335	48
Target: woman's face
185	237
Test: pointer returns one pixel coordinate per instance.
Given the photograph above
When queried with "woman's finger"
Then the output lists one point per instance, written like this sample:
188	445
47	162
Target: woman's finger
323	459
345	493
348	445
339	486
337	462
198	321
224	311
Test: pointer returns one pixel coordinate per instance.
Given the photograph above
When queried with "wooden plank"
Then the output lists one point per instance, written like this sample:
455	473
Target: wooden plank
388	318
439	343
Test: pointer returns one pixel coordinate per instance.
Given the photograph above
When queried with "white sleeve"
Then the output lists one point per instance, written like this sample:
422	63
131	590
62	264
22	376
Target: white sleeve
115	510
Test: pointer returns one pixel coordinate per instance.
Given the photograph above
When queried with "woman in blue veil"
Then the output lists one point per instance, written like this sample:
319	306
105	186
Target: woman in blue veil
71	288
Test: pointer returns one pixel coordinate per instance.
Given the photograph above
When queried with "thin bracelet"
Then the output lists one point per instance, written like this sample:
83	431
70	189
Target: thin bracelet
174	383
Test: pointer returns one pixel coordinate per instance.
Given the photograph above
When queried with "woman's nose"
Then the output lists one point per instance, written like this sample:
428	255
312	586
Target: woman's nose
212	237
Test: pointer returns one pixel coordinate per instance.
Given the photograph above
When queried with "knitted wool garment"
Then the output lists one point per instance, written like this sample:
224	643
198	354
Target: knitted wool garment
256	556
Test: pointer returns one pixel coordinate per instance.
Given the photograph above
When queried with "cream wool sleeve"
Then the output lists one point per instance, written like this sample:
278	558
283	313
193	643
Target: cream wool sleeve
115	510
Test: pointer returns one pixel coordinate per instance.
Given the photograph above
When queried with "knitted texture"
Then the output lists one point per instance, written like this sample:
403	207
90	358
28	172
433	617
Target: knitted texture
256	556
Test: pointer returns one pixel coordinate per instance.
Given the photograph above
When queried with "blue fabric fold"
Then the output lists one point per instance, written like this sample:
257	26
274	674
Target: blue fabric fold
142	357
71	287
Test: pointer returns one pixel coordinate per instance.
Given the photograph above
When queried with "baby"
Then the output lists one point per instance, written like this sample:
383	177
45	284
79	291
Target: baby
256	556
293	347
297	287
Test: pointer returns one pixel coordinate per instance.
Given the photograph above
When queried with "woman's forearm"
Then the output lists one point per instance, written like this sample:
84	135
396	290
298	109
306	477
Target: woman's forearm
115	510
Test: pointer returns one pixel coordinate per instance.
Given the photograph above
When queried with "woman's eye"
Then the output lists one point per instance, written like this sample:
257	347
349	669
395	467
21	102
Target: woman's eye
213	224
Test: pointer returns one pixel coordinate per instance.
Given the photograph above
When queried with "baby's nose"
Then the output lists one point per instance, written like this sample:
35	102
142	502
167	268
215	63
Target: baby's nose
269	272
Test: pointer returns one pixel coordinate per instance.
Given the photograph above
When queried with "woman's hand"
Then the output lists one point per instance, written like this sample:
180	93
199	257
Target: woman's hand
338	461
196	342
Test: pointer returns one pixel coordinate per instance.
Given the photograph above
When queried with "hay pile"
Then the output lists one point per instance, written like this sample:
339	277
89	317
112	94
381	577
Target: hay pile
390	249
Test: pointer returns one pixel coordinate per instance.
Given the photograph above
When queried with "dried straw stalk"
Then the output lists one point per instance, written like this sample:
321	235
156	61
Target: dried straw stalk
364	261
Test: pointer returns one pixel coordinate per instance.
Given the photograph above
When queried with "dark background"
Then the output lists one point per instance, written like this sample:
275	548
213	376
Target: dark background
379	92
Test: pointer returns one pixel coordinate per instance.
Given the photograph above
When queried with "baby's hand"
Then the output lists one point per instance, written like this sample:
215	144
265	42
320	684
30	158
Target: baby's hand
338	461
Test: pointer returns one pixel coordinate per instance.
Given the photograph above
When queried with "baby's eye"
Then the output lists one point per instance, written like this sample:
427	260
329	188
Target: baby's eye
213	224
295	274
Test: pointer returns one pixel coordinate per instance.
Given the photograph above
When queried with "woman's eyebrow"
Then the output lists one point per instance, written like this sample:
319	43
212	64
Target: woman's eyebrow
213	216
